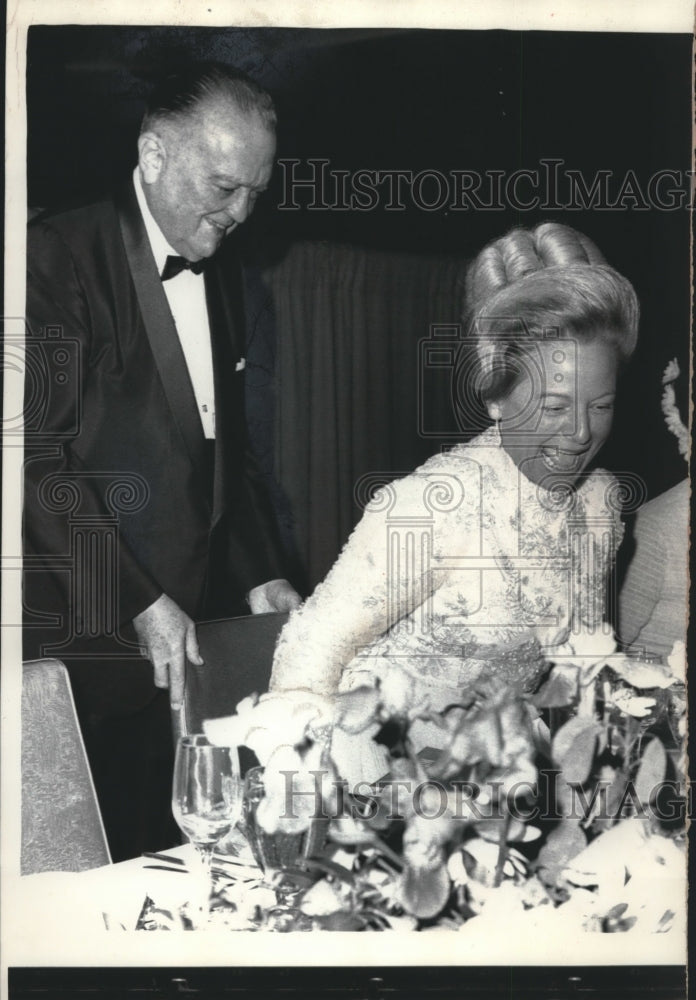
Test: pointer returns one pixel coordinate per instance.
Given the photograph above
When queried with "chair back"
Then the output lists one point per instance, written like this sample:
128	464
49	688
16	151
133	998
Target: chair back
62	828
238	656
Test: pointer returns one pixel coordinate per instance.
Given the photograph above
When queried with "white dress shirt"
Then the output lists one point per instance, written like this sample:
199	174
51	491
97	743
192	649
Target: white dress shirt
186	297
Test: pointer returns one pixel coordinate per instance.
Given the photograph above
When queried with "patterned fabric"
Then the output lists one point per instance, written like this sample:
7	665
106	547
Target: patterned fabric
463	572
61	825
653	603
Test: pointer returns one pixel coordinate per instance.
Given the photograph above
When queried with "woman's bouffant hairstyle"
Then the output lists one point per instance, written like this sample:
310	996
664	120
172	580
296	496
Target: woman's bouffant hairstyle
181	93
532	284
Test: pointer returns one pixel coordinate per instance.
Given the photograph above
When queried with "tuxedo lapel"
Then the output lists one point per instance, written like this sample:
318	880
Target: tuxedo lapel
224	298
161	331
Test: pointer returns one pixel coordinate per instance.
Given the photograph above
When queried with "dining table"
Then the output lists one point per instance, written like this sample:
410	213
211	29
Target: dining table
112	916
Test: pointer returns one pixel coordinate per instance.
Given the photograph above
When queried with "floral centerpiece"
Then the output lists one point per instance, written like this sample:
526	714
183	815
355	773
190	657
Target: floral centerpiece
566	807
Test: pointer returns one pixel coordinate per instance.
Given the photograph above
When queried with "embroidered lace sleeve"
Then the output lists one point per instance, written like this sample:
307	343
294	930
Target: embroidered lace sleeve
377	580
605	531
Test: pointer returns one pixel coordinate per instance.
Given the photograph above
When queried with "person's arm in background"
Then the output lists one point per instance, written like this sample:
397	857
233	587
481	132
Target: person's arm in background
256	561
654	600
254	549
643	581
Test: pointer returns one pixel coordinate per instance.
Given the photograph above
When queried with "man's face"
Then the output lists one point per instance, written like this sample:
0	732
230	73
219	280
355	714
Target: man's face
202	175
559	413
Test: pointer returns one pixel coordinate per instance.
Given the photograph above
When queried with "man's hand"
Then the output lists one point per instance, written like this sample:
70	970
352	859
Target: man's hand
168	637
276	595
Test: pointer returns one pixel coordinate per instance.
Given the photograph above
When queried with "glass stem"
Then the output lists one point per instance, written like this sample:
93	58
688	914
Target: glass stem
205	852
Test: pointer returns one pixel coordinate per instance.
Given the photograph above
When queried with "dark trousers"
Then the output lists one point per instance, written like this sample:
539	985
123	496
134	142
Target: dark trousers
132	762
126	727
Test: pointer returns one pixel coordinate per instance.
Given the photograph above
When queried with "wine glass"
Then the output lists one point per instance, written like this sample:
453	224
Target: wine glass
281	856
207	797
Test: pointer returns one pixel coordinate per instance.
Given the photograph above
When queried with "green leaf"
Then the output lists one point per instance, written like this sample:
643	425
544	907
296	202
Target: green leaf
568	733
563	844
577	762
330	868
652	769
665	920
615	922
424	891
341	921
614	796
557	692
296	877
616	911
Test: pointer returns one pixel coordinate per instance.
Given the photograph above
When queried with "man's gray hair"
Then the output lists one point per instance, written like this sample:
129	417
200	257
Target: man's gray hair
179	94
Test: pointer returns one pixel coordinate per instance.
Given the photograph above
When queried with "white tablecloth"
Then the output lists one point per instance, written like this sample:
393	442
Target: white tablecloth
89	918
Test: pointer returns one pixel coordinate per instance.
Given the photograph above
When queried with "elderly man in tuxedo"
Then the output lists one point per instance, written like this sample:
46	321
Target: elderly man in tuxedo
135	307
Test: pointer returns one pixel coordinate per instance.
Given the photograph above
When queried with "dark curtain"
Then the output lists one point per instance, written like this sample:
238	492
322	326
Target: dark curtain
353	393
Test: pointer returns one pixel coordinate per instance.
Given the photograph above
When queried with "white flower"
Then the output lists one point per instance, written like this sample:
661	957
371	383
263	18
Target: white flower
273	720
297	788
641	675
671	411
456	869
485	855
677	661
246	898
588	651
324	898
631	704
644	872
397	691
671	372
604	862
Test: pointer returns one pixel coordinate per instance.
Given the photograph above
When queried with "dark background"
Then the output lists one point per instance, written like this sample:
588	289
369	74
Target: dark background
417	99
411	100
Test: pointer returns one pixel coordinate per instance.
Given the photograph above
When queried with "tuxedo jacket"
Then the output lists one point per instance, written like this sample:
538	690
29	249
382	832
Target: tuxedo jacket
113	433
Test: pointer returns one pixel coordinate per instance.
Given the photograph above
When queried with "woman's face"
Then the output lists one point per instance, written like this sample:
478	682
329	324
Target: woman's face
559	412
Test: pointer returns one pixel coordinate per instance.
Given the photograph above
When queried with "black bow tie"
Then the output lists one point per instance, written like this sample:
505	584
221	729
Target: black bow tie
175	265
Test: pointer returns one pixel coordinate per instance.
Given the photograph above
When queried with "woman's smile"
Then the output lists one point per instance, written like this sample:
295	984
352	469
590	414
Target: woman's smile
559	413
558	460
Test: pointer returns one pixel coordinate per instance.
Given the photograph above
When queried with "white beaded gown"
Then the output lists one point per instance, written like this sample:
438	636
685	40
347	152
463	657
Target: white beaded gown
462	572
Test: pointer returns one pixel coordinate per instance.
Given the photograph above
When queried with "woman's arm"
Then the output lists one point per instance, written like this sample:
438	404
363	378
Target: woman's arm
376	581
